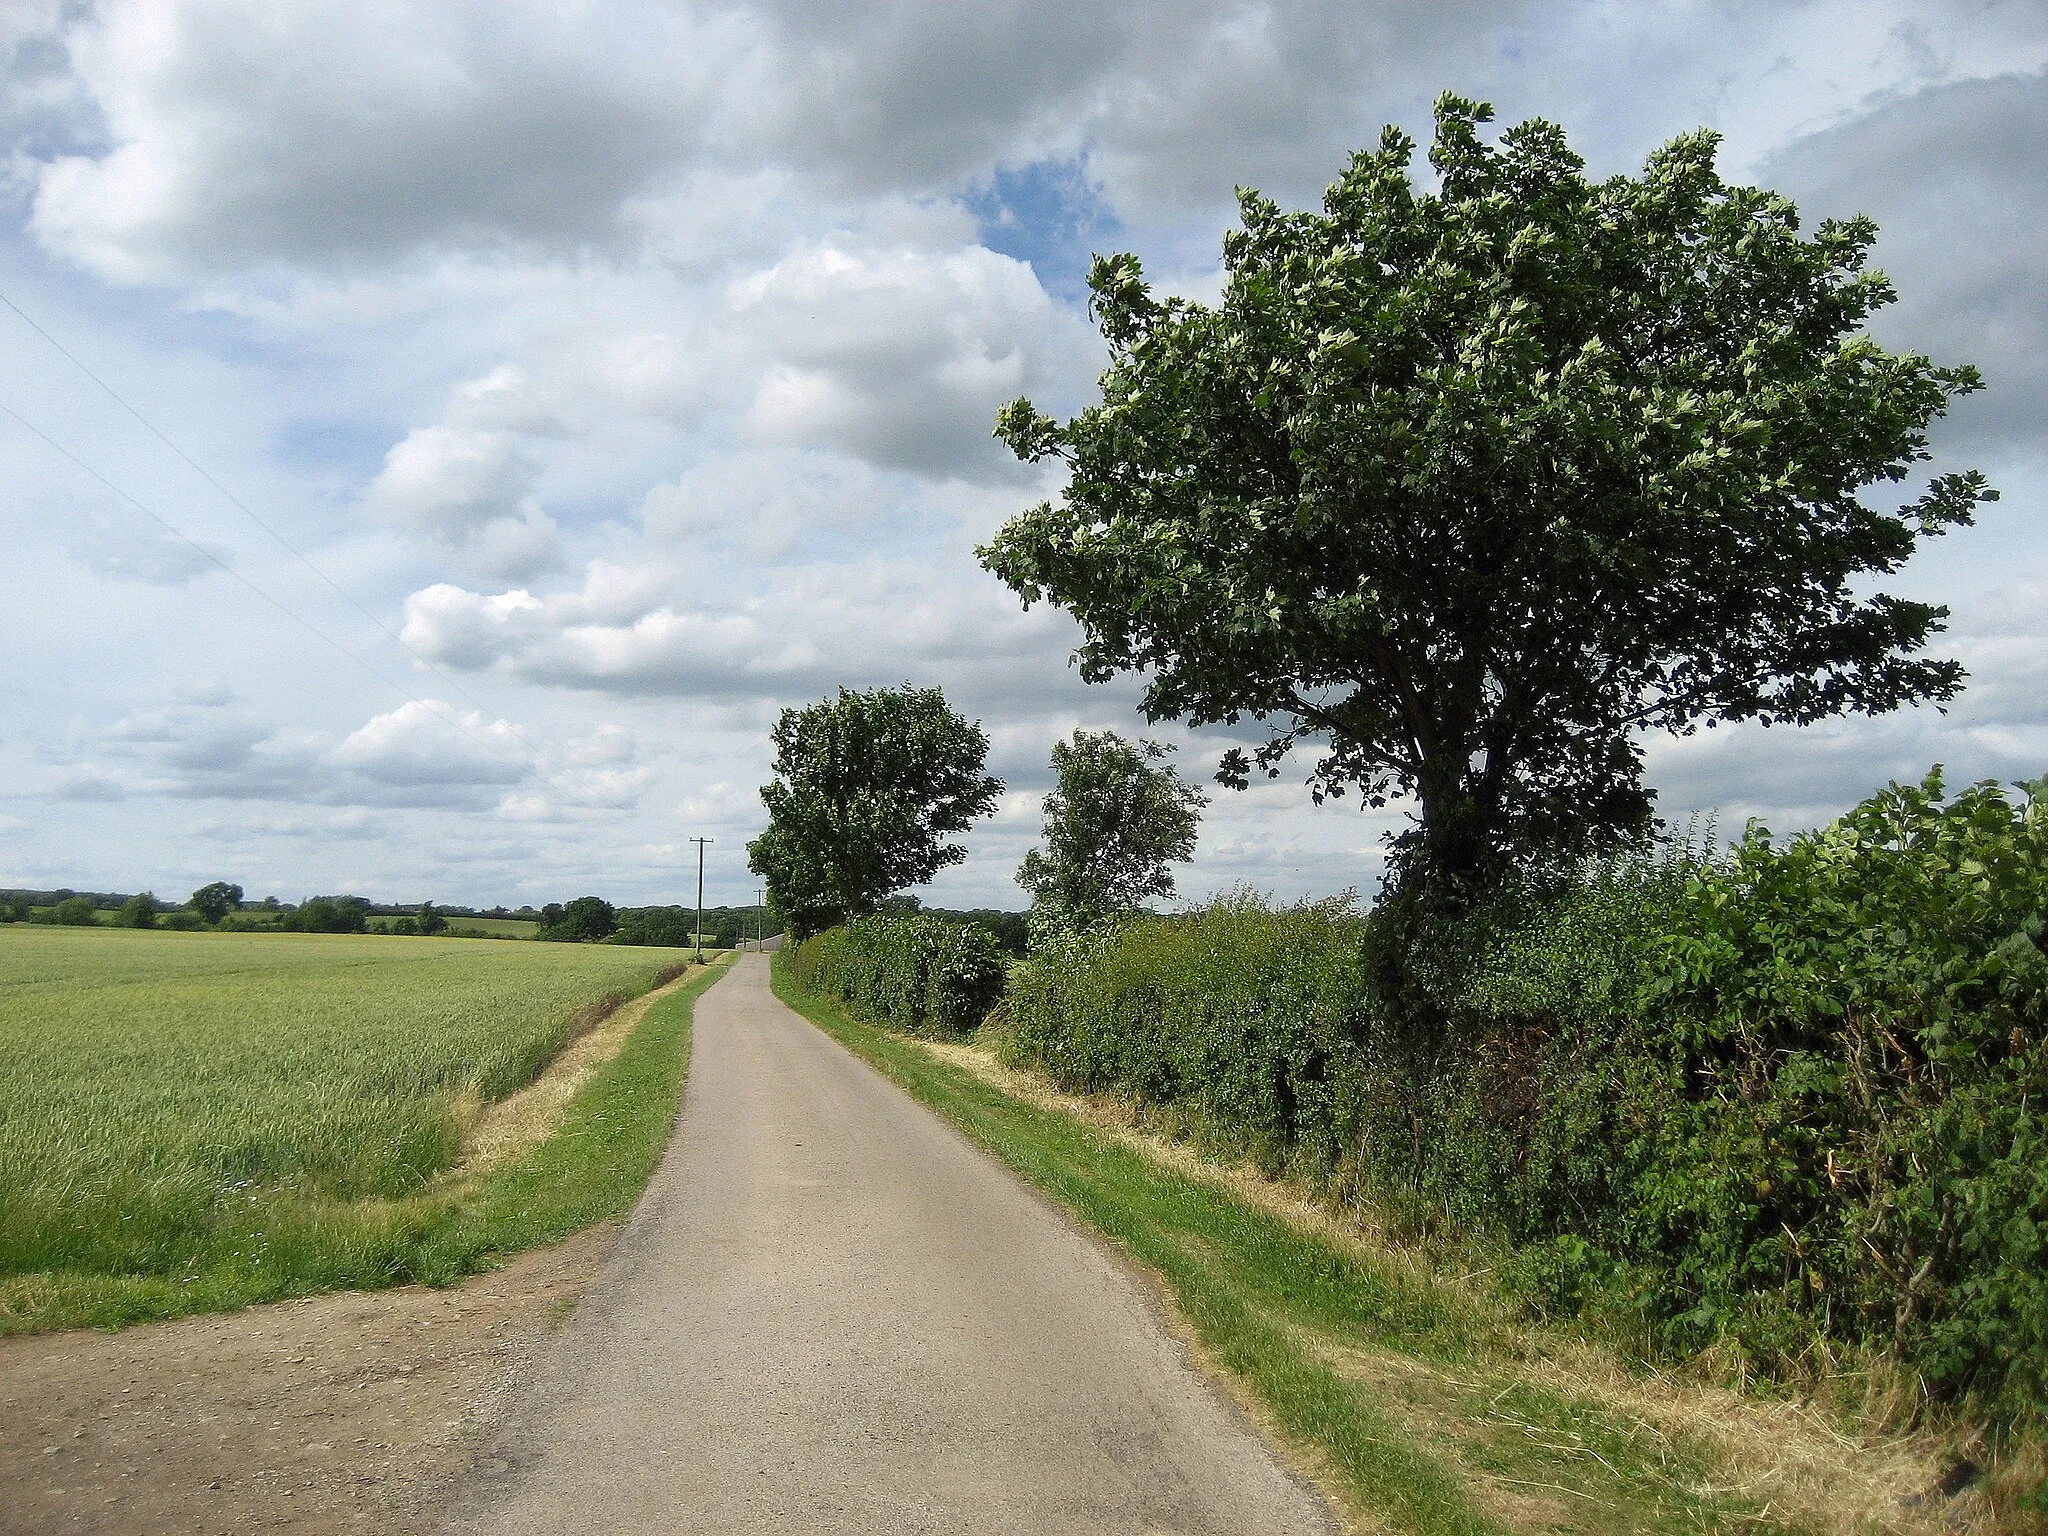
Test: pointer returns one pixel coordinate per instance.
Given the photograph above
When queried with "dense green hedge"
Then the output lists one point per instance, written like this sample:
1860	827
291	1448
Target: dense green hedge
1787	1095
918	972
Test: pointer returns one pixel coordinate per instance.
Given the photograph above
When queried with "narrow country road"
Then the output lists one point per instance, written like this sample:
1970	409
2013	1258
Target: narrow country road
831	1314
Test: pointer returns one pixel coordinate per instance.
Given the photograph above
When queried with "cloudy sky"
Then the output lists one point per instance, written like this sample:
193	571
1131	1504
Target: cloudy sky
510	405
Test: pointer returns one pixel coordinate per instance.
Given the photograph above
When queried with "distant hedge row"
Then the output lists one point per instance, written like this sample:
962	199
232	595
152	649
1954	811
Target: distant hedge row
917	973
1788	1095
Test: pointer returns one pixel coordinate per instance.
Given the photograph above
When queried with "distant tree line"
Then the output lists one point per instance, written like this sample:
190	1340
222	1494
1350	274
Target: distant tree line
222	905
593	920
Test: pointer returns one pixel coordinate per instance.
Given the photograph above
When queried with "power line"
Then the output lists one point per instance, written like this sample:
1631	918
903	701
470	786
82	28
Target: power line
431	705
243	507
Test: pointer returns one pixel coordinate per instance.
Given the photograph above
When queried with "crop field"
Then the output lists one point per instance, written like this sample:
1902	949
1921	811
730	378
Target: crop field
496	927
189	1120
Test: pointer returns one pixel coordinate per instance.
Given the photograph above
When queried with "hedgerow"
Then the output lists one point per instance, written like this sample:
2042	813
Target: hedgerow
916	973
1780	1097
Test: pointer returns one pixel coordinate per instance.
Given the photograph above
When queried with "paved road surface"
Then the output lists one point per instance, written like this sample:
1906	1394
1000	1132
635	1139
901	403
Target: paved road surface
831	1314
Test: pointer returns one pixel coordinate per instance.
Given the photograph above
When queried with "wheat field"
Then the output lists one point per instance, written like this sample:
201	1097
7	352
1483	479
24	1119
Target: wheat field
185	1109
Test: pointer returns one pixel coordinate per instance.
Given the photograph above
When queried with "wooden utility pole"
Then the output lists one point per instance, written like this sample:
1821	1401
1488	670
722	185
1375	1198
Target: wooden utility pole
699	935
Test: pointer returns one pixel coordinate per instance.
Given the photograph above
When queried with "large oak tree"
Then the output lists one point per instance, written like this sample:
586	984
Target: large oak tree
1476	484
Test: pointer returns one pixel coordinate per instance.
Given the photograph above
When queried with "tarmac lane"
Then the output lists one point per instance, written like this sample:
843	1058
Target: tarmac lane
832	1314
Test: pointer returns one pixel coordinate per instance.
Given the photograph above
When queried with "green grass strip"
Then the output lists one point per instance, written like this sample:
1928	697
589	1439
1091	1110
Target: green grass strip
597	1161
591	1168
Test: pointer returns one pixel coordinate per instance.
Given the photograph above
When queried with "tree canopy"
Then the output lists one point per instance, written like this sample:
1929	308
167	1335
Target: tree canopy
1116	820
867	787
215	902
139	911
329	914
74	912
583	921
1477	484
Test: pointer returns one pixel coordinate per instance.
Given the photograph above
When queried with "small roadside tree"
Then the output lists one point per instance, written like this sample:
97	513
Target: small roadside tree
329	914
138	911
867	788
667	927
216	902
582	921
1477	485
1117	817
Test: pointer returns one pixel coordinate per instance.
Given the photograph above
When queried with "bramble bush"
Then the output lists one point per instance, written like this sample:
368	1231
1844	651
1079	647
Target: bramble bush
1786	1095
917	972
1249	1015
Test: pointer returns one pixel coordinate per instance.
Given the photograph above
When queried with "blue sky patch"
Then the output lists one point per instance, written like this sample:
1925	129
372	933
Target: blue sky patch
1050	213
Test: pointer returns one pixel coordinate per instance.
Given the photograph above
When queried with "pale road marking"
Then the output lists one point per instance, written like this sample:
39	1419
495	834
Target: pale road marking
832	1314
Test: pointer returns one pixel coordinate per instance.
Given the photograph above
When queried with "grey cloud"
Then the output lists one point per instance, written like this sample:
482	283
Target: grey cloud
1178	102
1792	777
903	356
43	109
1276	96
95	788
467	483
423	753
129	550
242	136
896	94
245	134
661	651
426	745
1957	177
768	505
860	624
203	749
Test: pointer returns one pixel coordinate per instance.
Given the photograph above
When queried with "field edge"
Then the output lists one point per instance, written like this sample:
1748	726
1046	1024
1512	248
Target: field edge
590	1168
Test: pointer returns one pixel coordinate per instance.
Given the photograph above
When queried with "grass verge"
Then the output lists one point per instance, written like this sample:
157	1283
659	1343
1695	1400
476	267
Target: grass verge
592	1167
1422	1404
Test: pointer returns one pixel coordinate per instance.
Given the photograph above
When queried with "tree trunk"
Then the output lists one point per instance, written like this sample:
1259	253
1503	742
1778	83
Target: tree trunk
1445	863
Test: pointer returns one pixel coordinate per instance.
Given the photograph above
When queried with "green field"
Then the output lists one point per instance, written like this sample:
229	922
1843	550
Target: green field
497	927
189	1120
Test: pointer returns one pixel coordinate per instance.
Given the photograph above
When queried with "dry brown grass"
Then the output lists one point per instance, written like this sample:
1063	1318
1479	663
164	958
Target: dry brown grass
1827	1462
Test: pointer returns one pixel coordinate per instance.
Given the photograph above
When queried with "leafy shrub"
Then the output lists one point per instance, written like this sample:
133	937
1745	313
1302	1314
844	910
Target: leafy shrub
1855	1027
916	973
1254	1016
585	920
662	927
74	912
328	914
1010	929
1781	1096
138	911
